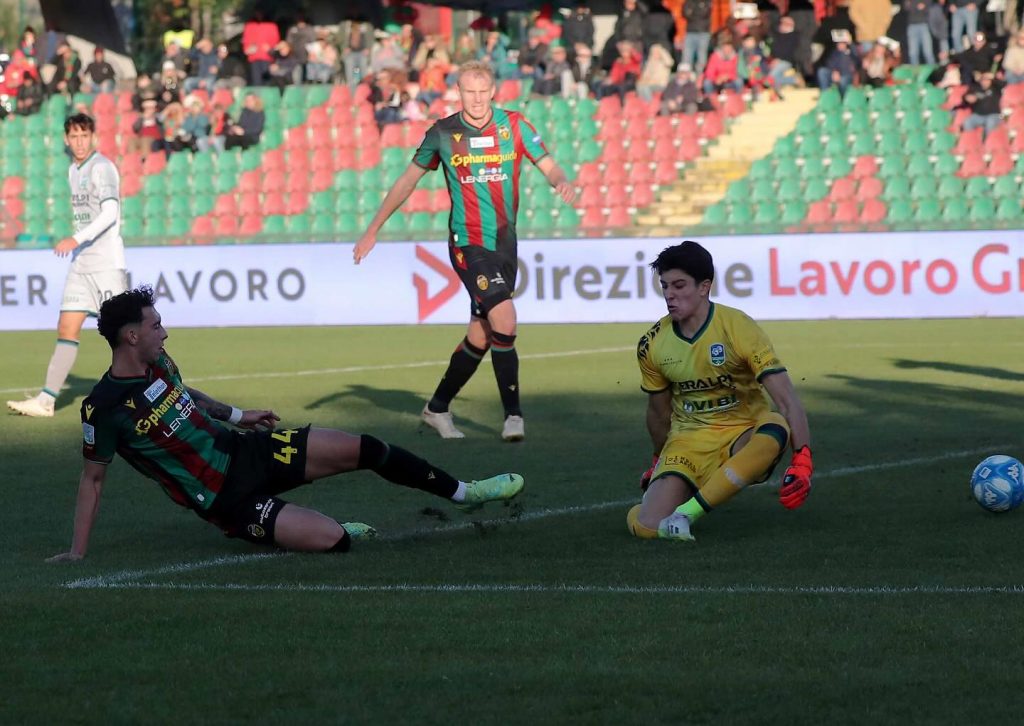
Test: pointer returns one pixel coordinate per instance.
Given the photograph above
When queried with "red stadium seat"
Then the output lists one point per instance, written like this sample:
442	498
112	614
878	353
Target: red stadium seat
592	196
345	158
226	225
846	212
689	150
154	163
638	152
421	200
297	138
392	135
321	180
593	218
665	171
273	160
973	164
131	184
323	159
686	125
865	166
958	119
251	225
509	90
820	212
610	130
14	206
368	156
298	202
225	206
250	204
361	94
104	103
124	102
969	141
1017	142
441	201
642	195
869	188
414	133
298	160
297	182
202	226
640	173
613	151
712	125
222	97
616	195
609	109
955	97
590	173
999	165
998	140
254	181
663	128
12	186
619	217
341	97
842	190
873	211
1013	95
734	104
274	203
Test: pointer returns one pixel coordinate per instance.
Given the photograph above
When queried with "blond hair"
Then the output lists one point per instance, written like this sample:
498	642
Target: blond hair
476	68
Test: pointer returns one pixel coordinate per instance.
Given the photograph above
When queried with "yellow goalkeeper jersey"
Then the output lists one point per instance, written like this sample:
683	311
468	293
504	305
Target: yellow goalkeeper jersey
714	376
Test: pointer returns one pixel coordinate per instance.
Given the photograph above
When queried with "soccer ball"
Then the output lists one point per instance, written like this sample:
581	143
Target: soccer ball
998	483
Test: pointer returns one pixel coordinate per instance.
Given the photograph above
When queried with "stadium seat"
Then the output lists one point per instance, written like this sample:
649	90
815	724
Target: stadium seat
819	212
869	188
928	211
767	213
999	165
838	166
955	211
846	212
896	188
1009	209
983	209
873	211
842	190
973	164
924	187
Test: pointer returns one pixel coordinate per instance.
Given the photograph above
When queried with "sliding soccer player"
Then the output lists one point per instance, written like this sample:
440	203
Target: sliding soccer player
703	367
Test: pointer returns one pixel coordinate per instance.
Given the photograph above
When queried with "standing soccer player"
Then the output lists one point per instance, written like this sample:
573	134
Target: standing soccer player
97	256
481	149
712	428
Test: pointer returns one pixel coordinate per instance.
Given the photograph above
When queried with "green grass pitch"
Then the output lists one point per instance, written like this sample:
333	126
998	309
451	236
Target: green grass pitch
891	597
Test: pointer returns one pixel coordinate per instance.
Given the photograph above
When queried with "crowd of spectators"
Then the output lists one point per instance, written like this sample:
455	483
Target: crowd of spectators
410	76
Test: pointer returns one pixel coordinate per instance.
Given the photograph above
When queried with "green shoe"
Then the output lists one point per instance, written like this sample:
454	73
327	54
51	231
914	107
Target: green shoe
359	531
500	487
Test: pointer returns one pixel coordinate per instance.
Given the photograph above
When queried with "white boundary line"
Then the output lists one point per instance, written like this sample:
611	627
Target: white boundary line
843	590
129	578
373	368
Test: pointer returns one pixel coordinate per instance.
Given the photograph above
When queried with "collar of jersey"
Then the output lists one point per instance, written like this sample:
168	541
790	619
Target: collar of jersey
87	159
473	128
679	332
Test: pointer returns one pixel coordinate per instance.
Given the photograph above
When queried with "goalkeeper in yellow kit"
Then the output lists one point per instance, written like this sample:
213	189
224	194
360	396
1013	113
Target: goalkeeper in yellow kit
713	429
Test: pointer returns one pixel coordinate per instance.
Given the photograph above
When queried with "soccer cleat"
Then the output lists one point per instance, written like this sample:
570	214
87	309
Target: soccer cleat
442	423
359	531
675	526
498	488
514	429
31	407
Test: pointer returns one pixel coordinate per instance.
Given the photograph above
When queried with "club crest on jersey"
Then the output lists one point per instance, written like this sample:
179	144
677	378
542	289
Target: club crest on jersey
482	282
717	354
153	392
456	138
503	132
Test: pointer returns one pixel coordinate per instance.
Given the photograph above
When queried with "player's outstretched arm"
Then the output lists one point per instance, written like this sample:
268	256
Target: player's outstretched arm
247	419
659	422
556	177
396	196
87	504
796	482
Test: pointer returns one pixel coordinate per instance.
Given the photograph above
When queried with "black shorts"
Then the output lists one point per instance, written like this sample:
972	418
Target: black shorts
263	464
488	276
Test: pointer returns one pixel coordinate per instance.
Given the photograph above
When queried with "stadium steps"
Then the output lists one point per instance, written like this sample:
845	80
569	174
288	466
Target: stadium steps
750	137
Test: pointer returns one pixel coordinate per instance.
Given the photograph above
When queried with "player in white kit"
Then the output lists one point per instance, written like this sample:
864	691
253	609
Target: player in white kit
97	256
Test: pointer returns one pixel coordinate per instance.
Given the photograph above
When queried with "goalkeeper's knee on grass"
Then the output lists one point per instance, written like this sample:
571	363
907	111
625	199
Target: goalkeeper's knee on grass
635	528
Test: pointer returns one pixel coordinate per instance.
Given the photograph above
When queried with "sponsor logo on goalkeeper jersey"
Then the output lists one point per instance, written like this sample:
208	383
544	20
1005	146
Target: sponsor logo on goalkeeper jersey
710	405
705	384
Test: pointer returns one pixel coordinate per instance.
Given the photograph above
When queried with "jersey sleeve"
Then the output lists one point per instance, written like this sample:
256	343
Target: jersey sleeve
756	348
651	378
428	155
533	145
105	184
99	436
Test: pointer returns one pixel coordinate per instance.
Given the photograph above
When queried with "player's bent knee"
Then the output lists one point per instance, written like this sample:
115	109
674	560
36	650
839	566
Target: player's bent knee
636	528
774	424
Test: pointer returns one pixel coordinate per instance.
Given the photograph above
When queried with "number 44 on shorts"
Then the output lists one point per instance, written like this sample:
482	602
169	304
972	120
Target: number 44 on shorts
285	454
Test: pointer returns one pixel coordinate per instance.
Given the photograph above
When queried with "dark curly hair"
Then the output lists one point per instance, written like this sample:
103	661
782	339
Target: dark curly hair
80	121
124	309
689	257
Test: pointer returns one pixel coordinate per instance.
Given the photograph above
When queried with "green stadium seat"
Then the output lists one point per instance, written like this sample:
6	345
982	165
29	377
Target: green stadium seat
323	224
1009	209
810	146
372	178
830	100
941	143
890	144
179	164
789	191
904	73
928	210
950	187
918	165
977	187
154	227
766	212
588	150
908	100
179	205
322	203
155	185
793	213
204	185
955	210
293	117
349	179
815	189
568	218
838	166
251	159
813	168
946	164
885	123
785	146
914	142
203	164
761	169
924	187
933	98
833	125
741	214
1005	186
881	99
738	191
131	227
221	183
899	211
807	125
897	187
440	222
856	100
983	209
762	190
57	187
863	145
541	221
61	227
298	223
179	226
346	201
892	166
787	169
716	215
347	226
131	207
274	224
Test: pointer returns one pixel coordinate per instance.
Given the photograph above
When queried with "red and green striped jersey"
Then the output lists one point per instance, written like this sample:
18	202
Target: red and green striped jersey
481	168
156	426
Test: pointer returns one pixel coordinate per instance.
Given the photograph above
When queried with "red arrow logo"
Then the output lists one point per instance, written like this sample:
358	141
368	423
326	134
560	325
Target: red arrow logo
428	305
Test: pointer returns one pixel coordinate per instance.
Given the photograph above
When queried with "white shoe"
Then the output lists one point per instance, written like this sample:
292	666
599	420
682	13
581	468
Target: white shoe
31	407
442	423
675	526
514	430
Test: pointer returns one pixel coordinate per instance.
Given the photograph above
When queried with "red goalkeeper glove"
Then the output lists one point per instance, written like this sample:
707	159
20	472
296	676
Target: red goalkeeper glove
796	482
645	478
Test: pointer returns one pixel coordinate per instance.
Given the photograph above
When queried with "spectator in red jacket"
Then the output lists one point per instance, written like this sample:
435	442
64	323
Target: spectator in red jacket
625	70
259	36
722	70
